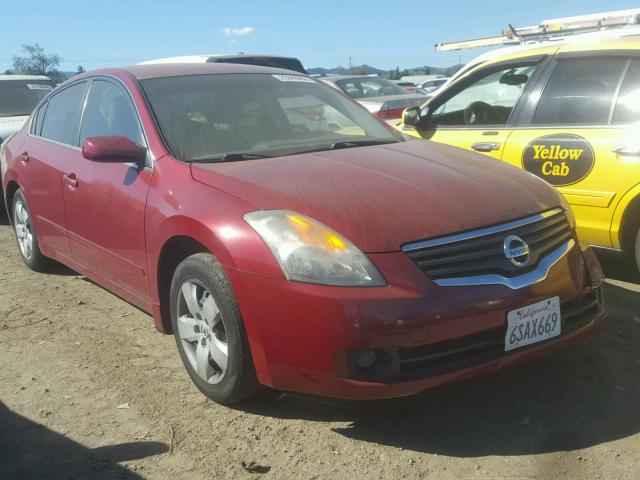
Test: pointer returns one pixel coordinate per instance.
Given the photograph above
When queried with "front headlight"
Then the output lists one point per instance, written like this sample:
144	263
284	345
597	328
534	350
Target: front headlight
310	252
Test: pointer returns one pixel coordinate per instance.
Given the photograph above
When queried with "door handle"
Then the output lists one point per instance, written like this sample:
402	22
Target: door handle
70	179
24	157
627	151
485	146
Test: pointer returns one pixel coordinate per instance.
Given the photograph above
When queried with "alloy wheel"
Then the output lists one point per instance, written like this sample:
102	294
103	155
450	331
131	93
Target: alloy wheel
201	331
24	230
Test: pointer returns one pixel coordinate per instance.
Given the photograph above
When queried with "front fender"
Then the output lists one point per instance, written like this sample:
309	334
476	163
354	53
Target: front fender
618	215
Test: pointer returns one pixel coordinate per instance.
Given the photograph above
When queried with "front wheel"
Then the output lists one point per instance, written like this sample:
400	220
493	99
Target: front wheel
26	234
209	331
637	252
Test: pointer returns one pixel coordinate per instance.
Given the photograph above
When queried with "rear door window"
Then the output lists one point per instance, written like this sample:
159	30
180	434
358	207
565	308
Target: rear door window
62	118
580	91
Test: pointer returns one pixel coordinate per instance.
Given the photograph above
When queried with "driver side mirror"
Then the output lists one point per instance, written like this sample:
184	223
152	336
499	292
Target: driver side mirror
113	149
412	116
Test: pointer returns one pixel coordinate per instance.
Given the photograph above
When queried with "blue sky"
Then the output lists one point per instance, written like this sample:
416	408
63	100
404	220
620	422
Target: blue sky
325	33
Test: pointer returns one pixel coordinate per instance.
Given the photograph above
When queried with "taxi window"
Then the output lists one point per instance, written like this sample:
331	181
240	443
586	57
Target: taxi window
628	105
489	100
580	92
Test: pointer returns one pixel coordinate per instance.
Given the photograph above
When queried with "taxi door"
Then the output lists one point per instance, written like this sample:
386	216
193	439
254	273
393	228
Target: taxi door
477	112
581	137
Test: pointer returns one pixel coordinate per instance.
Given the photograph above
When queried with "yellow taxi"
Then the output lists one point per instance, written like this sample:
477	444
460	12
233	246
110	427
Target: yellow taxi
568	112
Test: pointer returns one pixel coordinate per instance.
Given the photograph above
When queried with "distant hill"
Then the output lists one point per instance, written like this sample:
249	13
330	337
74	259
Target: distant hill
359	70
396	72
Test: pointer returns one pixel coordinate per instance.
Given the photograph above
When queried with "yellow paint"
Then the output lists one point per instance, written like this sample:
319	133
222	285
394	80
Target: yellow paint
600	199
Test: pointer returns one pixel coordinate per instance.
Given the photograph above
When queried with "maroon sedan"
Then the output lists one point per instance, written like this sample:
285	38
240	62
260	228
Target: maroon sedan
288	238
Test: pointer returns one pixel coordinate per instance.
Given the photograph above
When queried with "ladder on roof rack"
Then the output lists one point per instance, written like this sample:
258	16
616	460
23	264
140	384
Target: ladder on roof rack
555	29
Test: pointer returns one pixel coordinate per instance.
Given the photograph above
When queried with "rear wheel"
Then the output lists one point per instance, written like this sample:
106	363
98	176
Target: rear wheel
637	252
26	234
209	331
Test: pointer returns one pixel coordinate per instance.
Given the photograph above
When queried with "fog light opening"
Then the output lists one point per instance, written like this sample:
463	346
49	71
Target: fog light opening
366	358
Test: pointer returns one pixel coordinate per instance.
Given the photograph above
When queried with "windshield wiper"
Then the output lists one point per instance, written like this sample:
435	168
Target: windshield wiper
230	157
360	143
347	144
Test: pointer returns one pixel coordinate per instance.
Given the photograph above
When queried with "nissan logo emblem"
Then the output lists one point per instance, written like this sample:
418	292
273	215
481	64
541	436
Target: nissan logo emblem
517	251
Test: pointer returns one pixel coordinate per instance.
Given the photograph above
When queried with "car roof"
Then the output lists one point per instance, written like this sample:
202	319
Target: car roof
629	39
346	77
24	77
205	57
158	70
607	40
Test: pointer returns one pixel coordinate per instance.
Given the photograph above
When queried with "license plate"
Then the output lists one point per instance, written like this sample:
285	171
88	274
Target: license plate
531	324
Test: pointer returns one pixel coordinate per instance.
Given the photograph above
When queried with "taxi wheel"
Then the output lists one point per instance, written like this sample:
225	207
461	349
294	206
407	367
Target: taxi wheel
638	250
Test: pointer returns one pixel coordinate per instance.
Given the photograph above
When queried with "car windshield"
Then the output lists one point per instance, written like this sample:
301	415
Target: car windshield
224	117
19	97
364	87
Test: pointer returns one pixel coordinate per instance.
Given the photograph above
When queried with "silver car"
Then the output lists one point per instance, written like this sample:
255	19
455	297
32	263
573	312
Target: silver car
19	94
383	98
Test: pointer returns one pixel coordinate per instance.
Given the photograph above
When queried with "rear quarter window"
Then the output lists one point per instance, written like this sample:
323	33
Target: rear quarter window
627	108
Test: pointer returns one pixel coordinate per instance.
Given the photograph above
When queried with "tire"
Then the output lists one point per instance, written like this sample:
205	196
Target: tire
637	251
26	235
207	322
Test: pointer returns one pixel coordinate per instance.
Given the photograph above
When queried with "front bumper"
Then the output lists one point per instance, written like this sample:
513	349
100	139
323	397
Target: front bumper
303	337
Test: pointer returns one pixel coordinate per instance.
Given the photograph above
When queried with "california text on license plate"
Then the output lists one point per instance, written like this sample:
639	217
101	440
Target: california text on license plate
534	323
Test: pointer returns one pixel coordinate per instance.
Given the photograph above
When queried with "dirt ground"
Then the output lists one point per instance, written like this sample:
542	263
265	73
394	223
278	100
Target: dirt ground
89	389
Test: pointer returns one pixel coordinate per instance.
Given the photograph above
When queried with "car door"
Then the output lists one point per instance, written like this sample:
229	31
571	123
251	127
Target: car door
477	113
106	204
582	137
52	145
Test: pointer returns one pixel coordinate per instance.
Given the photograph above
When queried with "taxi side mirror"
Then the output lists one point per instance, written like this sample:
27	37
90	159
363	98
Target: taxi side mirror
412	116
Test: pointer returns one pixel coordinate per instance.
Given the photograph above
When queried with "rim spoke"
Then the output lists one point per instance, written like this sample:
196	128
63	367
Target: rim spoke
187	329
210	310
28	247
21	232
190	294
203	365
219	352
22	212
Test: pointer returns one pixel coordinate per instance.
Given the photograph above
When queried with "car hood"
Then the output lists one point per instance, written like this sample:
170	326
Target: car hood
408	98
10	125
384	196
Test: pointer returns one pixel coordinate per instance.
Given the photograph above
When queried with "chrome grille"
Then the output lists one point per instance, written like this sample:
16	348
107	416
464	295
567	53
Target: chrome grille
478	257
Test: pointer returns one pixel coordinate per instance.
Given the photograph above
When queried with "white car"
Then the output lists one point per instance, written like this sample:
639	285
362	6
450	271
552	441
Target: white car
288	63
19	94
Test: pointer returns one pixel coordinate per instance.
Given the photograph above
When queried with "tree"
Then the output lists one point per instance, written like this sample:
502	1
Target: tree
361	70
80	69
36	62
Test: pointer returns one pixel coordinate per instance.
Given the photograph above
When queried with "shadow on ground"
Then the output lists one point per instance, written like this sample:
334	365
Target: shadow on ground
4	218
620	268
584	395
30	450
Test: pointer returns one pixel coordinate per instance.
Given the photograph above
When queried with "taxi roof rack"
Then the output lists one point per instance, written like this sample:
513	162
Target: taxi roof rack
554	29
